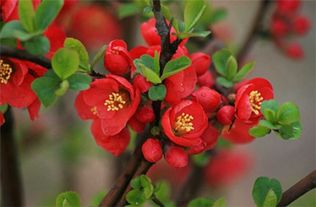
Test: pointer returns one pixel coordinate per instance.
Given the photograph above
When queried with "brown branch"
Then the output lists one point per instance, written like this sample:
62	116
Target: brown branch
255	29
300	188
11	185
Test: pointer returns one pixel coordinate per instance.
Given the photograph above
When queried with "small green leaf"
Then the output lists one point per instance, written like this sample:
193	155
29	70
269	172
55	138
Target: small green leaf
201	202
291	131
136	197
231	67
220	59
288	113
217	15
47	12
162	191
261	190
45	87
38	45
201	159
127	9
224	82
63	87
3	108
244	71
156	63
221	202
202	34
65	62
192	13
149	74
148	62
269	109
97	199
269	115
271	199
268	124
68	199
259	131
158	92
79	81
99	55
175	66
26	15
76	45
14	29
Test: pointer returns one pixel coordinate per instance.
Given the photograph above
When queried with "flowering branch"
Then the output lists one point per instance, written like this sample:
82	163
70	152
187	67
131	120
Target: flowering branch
11	185
300	188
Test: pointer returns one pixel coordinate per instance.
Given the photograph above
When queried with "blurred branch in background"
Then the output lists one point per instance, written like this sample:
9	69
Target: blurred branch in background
11	184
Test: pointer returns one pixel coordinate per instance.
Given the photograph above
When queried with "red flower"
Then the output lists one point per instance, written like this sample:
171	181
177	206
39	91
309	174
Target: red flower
208	98
184	123
249	98
141	83
116	58
238	132
206	79
8	10
200	62
295	51
2	119
301	25
108	99
56	36
279	28
150	34
176	157
225	115
115	144
152	150
180	85
142	116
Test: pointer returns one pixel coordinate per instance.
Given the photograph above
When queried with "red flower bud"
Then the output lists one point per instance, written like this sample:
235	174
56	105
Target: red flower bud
206	79
145	114
152	150
288	7
200	62
225	115
141	83
176	157
279	28
208	98
116	58
210	136
294	51
301	25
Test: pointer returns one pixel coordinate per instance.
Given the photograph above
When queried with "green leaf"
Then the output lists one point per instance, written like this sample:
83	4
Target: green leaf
45	87
79	81
220	58
271	199
288	113
127	9
261	190
292	131
68	199
192	13
38	45
217	15
162	191
269	115
202	34
148	61
149	74
158	92
259	131
220	203
148	188
63	87
97	199
76	45
47	12
201	159
3	108
156	63
224	82
243	71
99	55
135	183
65	62
175	66
201	202
269	110
136	197
268	124
26	15
231	67
14	29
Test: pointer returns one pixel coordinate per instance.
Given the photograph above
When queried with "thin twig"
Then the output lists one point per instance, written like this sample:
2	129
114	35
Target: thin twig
11	185
300	188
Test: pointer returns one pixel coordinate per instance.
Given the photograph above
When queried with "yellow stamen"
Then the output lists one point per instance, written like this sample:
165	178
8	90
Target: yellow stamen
5	72
115	102
184	123
255	99
94	110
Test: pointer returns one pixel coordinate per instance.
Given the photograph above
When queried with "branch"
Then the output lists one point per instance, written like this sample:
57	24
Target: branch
300	188
11	185
255	29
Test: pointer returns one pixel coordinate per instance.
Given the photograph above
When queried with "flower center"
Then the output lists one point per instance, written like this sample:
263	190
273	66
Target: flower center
115	102
5	72
184	123
94	110
255	100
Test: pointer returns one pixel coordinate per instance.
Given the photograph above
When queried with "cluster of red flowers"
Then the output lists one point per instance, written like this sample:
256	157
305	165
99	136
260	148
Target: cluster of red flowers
16	76
194	114
288	22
